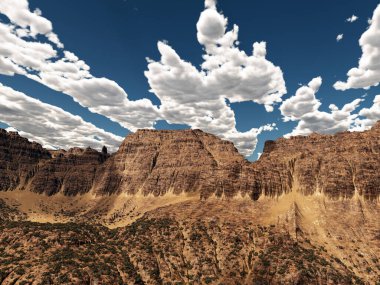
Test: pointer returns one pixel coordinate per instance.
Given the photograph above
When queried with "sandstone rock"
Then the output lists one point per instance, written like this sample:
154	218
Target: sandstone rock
19	159
157	162
153	162
71	172
337	165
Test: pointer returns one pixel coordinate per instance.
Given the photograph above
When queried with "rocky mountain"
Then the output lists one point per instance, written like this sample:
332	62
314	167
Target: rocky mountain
184	207
158	162
19	160
338	165
69	172
26	165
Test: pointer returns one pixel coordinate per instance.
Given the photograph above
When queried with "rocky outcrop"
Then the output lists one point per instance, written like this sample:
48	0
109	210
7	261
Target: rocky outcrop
153	162
27	165
338	165
157	162
70	172
19	160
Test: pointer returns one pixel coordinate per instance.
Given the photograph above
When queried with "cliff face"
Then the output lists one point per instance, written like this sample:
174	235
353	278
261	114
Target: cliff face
191	161
337	165
70	172
19	160
26	165
157	162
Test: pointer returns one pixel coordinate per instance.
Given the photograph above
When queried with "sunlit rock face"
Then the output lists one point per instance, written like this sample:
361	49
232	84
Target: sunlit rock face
339	165
151	162
189	208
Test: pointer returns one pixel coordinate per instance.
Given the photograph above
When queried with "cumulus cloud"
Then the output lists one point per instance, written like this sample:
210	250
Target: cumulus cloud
199	98
210	3
367	74
339	37
368	116
352	19
61	70
49	125
303	108
31	23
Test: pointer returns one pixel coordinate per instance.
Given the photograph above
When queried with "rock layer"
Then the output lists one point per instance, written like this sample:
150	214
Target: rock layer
70	172
338	165
191	161
19	160
157	162
27	165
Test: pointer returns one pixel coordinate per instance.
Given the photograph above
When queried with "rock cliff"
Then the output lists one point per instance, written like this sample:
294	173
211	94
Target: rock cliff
191	161
26	165
70	172
19	160
157	162
338	165
185	207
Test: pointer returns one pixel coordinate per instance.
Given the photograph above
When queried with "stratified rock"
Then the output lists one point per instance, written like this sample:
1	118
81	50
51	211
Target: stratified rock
71	172
337	165
157	162
19	159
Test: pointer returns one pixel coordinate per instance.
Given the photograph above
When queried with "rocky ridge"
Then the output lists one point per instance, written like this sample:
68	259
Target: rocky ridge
184	207
191	161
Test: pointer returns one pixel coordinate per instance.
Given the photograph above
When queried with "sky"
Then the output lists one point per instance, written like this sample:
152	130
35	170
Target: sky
80	74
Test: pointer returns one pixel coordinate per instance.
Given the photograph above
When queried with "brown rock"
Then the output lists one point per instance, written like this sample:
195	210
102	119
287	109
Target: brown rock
337	165
19	159
158	162
71	172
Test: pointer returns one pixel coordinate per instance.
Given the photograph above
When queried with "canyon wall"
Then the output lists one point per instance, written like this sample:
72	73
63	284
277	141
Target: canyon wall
157	162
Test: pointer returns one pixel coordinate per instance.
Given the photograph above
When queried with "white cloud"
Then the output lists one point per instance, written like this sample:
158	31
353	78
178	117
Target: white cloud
21	53
12	129
369	116
304	108
352	19
339	37
367	74
210	4
32	23
198	97
49	125
189	96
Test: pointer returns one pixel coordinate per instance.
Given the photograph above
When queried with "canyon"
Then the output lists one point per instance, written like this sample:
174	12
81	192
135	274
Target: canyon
184	207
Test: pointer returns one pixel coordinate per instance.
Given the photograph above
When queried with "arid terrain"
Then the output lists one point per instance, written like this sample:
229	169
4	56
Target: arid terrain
184	207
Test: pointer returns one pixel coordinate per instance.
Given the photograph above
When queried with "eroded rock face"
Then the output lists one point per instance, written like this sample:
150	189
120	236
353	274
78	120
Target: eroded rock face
27	165
157	162
337	165
71	172
19	160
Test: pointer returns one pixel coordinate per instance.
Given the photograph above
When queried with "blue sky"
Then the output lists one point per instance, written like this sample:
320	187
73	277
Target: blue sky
115	37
